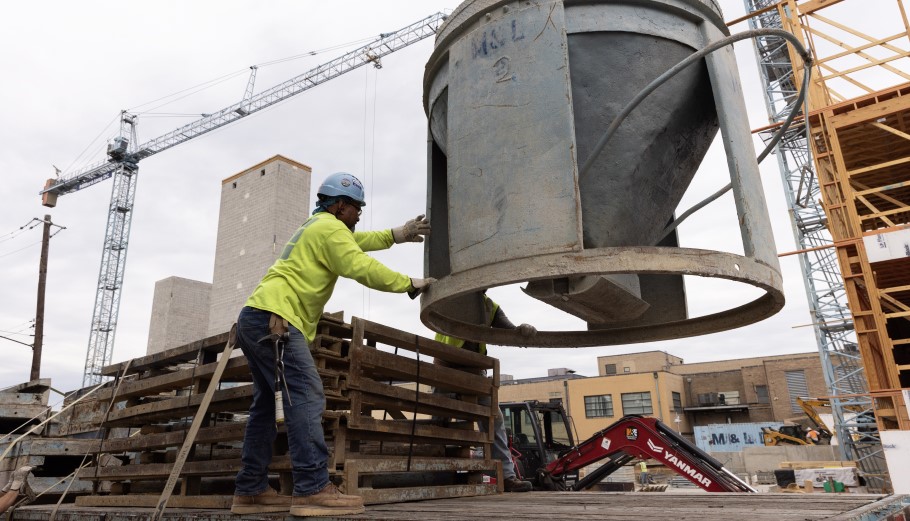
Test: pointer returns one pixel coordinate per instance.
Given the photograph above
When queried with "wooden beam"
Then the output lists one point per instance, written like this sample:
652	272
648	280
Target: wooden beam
879	166
184	353
150	500
892	130
815	5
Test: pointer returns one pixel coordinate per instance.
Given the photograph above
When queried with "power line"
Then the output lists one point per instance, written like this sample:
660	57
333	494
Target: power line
19	231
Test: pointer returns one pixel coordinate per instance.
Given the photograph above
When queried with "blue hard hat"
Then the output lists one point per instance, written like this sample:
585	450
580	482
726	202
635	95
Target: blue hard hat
343	184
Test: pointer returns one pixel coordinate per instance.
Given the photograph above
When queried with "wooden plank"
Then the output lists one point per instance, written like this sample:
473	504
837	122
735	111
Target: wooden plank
355	469
870	112
149	501
145	471
22	412
404	494
182	406
423	431
214	434
184	353
172	381
430	404
33	386
404	368
23	399
452	354
57	446
814	5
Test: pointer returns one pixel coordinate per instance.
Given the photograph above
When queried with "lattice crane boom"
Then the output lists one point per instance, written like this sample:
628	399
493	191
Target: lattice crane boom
368	54
123	165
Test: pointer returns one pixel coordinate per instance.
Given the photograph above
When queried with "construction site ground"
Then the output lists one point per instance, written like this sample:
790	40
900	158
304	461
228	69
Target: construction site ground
546	505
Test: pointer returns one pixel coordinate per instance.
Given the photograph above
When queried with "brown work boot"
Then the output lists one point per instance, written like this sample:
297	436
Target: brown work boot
268	501
514	484
328	501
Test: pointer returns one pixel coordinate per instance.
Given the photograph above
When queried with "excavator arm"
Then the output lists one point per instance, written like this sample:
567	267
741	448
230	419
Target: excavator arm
641	437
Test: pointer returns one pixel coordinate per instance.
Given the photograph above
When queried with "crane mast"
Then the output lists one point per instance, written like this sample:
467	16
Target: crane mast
123	166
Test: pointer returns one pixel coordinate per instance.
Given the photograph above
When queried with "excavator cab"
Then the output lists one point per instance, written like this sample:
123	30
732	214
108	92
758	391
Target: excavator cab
538	433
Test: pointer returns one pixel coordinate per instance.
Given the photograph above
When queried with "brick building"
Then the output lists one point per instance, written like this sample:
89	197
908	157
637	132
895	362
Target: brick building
655	383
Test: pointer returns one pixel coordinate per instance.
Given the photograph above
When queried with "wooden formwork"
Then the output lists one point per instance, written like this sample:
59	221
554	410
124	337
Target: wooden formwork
390	437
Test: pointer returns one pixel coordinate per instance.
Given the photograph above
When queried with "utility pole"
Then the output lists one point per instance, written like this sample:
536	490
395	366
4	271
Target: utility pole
39	313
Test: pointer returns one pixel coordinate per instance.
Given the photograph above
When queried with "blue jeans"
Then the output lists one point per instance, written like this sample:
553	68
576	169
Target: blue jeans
500	441
302	410
501	449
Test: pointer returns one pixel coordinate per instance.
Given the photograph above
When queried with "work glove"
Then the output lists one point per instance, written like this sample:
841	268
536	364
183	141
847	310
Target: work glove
527	330
412	230
17	479
418	286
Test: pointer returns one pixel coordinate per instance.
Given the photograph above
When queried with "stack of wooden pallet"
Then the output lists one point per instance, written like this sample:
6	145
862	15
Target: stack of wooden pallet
26	442
390	437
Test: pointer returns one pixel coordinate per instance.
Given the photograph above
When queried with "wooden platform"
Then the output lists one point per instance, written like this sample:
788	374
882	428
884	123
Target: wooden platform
557	506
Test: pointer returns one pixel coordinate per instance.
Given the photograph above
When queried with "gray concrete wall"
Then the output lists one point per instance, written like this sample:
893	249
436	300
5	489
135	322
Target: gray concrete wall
768	459
261	208
180	313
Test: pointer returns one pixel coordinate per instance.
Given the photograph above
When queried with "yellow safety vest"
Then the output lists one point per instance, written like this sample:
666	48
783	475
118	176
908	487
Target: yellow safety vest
301	281
491	308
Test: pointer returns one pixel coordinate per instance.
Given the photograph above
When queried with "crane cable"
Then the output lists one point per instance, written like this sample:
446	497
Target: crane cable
366	293
199	88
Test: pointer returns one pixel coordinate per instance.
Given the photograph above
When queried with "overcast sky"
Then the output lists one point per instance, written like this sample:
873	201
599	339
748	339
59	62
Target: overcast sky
70	67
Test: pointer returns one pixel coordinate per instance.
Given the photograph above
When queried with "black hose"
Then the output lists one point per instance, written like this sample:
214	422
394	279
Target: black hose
679	67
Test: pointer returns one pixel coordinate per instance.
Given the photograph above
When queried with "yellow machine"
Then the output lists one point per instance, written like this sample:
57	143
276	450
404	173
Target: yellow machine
794	434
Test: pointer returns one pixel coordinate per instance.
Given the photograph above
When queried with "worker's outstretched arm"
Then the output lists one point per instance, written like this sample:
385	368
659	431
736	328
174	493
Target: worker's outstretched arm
345	258
501	321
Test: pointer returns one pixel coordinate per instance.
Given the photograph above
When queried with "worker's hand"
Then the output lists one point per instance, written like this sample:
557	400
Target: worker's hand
17	479
412	230
418	286
527	330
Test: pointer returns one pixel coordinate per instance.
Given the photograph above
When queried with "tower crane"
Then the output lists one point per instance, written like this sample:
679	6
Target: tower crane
124	155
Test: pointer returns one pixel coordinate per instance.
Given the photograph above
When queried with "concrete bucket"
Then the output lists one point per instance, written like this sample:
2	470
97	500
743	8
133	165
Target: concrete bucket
517	95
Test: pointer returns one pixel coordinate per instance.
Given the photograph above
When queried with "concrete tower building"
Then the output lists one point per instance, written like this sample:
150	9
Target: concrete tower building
180	313
261	207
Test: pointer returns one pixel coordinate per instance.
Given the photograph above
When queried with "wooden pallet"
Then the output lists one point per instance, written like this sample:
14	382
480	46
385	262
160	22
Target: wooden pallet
381	414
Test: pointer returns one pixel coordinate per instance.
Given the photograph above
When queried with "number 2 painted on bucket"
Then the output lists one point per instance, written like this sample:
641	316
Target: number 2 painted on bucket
492	40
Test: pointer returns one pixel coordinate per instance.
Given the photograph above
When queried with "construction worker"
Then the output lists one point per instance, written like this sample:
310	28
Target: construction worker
643	472
292	295
812	435
495	318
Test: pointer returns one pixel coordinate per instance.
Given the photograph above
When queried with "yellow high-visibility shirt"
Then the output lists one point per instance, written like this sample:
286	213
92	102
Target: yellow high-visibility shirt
642	466
491	308
302	279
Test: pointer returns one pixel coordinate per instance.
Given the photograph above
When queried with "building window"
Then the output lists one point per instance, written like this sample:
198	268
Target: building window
610	369
627	369
636	403
796	388
600	406
761	392
677	402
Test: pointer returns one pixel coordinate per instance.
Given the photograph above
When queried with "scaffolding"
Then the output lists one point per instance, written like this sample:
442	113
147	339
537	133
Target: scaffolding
823	254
